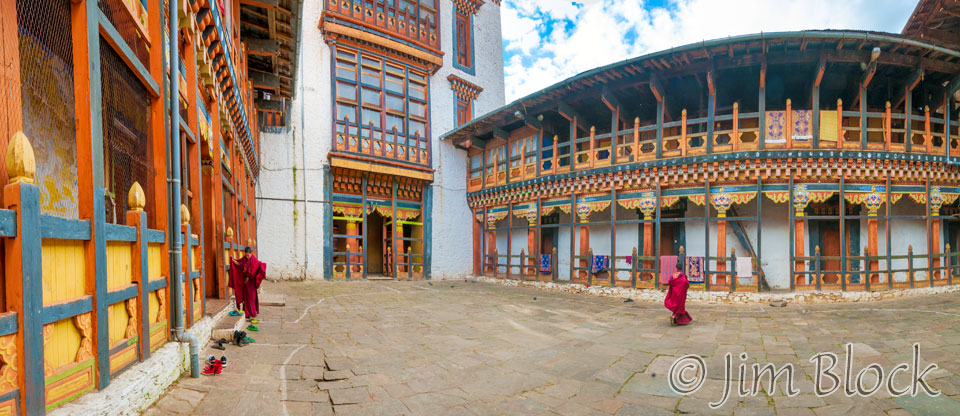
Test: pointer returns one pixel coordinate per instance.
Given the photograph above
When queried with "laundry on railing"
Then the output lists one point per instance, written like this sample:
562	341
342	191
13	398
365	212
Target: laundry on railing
668	266
693	268
599	264
546	263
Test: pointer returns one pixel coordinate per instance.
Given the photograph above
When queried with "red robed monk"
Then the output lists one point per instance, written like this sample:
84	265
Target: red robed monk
246	274
676	300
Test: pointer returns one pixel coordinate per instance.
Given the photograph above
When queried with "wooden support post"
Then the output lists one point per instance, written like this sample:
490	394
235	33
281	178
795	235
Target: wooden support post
636	139
798	235
872	250
839	123
23	269
733	269
137	218
788	125
910	265
585	249
735	136
556	151
721	248
887	127
554	266
593	146
683	133
927	134
633	268
816	265
659	143
589	267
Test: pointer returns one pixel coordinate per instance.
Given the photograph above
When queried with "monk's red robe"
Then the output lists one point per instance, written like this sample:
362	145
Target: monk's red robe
246	275
676	300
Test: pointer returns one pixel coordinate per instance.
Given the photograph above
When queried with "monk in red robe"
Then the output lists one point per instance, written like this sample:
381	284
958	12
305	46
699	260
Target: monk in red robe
246	274
676	300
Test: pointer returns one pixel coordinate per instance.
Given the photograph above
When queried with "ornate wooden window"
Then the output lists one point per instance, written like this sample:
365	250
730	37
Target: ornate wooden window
464	111
463	35
380	103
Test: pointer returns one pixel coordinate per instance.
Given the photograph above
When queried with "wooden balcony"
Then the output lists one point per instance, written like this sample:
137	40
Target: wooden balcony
734	132
411	21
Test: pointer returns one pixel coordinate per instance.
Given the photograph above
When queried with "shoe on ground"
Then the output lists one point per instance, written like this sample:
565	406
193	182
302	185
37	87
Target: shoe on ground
212	369
254	321
223	361
252	328
235	313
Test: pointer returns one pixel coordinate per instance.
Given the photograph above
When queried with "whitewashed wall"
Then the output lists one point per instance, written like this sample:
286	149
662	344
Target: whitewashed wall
452	227
291	230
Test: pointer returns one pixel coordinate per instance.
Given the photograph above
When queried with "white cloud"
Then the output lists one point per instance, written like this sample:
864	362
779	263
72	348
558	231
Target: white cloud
548	41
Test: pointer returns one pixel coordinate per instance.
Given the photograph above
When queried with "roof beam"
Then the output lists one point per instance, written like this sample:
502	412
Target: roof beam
609	99
264	80
910	85
711	82
656	88
821	69
266	4
567	111
263	47
868	74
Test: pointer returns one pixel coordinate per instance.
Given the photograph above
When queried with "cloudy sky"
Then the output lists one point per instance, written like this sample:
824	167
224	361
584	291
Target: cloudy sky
546	41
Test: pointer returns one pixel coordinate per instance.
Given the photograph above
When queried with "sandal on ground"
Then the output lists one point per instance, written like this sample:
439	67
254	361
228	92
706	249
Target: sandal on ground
252	328
235	313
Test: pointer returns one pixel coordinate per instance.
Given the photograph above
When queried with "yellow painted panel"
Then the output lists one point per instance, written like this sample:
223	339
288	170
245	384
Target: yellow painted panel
63	270
118	318
119	265
154	256
60	349
195	258
154	306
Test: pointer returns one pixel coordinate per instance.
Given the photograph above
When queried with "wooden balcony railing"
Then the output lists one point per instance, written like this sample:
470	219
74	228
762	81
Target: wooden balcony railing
733	132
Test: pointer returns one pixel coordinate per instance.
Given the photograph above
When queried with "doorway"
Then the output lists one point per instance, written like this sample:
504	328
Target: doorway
830	240
374	229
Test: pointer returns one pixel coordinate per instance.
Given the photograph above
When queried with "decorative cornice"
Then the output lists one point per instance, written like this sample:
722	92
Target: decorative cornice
470	6
332	30
770	167
464	89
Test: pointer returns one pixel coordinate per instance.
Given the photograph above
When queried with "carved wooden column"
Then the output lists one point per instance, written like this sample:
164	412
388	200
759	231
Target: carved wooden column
934	202
583	211
721	202
801	198
873	201
648	206
531	215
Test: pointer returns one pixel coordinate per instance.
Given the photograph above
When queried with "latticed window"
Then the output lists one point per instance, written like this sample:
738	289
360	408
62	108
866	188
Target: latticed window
45	49
126	122
380	99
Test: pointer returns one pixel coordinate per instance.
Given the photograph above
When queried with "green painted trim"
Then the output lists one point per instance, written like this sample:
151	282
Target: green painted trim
57	377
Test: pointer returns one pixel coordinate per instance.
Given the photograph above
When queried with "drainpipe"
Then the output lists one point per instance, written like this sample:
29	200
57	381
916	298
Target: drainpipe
303	153
173	190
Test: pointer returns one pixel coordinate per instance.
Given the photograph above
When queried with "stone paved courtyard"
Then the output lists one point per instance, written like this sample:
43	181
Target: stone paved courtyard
467	348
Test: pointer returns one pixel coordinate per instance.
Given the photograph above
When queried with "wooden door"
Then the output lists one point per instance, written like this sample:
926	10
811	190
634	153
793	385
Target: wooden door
387	249
830	238
667	237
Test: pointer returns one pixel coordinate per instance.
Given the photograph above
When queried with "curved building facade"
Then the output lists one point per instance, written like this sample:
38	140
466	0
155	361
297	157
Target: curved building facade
815	160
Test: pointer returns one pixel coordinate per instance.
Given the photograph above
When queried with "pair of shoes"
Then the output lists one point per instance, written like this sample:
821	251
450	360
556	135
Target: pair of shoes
235	313
214	366
211	360
252	328
240	338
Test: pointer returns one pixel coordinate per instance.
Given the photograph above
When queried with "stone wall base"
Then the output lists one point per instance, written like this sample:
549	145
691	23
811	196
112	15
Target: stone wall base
134	390
736	298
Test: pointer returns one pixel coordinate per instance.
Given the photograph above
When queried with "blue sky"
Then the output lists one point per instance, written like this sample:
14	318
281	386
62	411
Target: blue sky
546	41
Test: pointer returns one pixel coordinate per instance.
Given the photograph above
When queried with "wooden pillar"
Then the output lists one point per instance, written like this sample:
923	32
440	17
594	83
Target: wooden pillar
10	105
531	246
136	201
353	245
398	250
872	248
584	246
24	275
721	248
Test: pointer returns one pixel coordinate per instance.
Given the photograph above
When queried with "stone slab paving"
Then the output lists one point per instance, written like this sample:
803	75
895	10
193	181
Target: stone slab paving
470	348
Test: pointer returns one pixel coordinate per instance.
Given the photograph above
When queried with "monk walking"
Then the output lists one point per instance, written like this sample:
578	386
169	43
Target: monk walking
246	274
676	300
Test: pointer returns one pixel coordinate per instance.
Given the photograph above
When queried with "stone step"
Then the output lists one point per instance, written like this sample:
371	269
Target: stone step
224	329
272	299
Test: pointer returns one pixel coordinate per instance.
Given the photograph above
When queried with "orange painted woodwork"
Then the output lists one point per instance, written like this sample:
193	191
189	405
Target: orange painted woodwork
584	249
532	247
721	277
831	248
799	266
872	250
